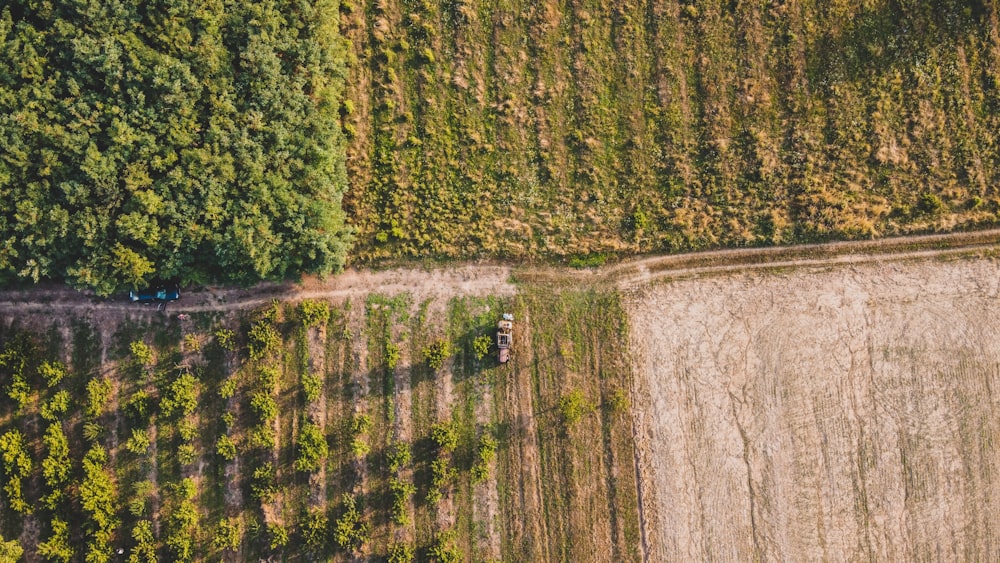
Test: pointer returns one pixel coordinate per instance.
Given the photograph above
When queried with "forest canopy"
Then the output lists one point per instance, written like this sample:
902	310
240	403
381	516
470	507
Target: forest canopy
192	140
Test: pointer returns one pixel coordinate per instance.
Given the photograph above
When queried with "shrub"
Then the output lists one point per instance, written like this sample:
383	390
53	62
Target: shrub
100	501
92	431
145	543
262	436
142	355
226	448
17	466
391	355
264	406
929	203
138	443
399	456
401	553
481	346
187	429
360	447
56	465
98	394
228	388
53	372
350	532
182	527
360	424
437	353
140	494
572	407
278	535
186	454
443	549
263	339
401	493
485	452
262	484
181	396
617	401
57	405
226	339
589	261
137	406
313	529
312	386
267	377
228	534
441	475
313	313
57	546
19	392
445	436
192	343
312	448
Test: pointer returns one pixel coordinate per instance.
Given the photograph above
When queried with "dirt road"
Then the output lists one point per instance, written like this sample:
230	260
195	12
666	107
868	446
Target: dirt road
492	279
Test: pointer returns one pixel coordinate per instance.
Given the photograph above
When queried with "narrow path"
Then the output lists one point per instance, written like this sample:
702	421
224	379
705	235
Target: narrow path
482	279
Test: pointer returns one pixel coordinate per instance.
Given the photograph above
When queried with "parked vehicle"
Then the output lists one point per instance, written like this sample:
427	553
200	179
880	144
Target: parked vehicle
157	294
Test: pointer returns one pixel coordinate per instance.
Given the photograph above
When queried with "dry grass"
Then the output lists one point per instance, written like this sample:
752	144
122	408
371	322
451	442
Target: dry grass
589	127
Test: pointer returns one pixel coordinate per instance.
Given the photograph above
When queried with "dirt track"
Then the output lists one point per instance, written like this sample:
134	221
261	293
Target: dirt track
842	413
483	279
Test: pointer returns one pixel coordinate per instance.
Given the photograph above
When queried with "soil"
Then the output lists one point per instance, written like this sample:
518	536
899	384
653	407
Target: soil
834	413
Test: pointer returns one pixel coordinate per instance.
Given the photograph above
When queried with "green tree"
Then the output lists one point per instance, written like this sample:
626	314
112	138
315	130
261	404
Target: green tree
572	407
481	346
313	448
313	529
17	466
350	531
144	550
437	353
57	547
227	535
56	465
99	500
443	548
53	372
445	436
10	551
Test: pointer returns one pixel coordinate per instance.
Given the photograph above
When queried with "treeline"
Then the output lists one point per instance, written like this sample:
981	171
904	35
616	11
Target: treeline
575	129
193	140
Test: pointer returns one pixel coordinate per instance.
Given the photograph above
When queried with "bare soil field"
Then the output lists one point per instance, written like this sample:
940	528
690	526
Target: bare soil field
841	412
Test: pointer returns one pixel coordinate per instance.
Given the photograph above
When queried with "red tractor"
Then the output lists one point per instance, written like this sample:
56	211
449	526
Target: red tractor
505	330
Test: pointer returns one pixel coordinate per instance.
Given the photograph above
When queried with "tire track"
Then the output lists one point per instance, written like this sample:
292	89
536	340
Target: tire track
503	280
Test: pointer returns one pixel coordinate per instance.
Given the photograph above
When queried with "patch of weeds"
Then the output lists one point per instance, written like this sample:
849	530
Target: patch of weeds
437	353
573	406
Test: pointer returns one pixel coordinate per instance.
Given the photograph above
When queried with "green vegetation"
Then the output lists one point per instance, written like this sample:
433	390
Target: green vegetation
350	532
191	141
16	467
169	451
437	353
572	407
312	448
591	129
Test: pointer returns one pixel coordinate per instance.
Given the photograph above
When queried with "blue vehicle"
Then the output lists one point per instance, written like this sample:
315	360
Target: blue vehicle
160	294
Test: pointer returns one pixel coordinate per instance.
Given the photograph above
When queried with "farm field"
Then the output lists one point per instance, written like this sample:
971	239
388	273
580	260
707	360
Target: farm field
756	404
370	427
834	412
585	129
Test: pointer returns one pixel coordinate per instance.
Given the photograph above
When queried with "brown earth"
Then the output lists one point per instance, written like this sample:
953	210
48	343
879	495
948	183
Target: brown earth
828	413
